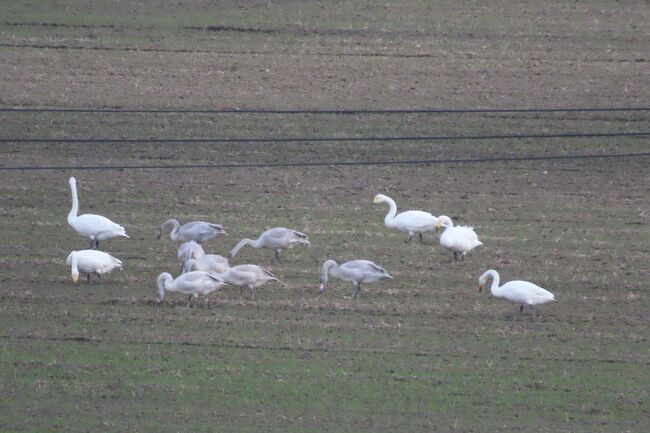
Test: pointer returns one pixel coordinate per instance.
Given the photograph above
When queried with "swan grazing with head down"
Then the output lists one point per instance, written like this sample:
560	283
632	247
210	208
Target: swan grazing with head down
412	221
354	271
207	263
189	250
459	239
192	284
95	227
520	292
278	239
91	262
197	231
250	276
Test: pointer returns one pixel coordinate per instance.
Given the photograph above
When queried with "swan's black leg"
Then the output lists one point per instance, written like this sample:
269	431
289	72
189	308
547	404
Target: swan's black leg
421	240
521	309
355	291
92	242
277	254
96	244
462	257
88	278
455	256
408	240
252	290
241	295
99	279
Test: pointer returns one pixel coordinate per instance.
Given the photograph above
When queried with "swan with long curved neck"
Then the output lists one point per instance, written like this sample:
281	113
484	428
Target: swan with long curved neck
412	221
192	284
520	292
277	239
354	271
95	227
91	262
459	239
198	231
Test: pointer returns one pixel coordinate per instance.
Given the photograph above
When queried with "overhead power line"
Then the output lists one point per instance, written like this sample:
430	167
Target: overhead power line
325	139
331	163
342	111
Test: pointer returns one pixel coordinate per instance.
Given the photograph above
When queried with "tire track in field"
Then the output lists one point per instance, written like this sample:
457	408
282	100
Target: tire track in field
84	340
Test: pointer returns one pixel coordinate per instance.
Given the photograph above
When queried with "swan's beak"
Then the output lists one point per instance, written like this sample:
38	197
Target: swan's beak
376	200
480	288
159	236
437	226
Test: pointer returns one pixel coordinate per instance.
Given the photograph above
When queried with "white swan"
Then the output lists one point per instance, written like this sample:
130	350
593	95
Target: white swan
207	263
189	250
198	231
459	239
91	262
412	221
95	227
520	292
250	276
354	271
277	239
192	284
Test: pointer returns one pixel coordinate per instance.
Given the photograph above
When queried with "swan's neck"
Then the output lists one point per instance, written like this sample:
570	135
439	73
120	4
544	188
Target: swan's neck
189	265
175	226
73	264
241	244
390	216
328	266
494	288
75	203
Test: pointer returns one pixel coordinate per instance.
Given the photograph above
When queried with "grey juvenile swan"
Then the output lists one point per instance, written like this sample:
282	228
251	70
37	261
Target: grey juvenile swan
198	231
278	239
354	271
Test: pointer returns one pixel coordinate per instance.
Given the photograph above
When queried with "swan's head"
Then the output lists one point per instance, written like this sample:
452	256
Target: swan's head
482	281
379	198
444	221
72	181
322	287
162	279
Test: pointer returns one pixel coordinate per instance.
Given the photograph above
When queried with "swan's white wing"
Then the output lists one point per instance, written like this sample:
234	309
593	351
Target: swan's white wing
461	239
298	234
92	225
524	292
416	220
